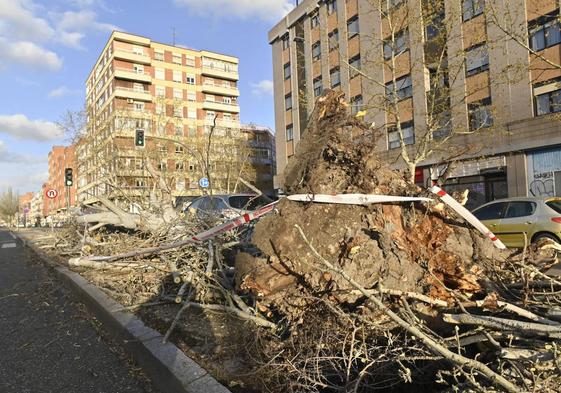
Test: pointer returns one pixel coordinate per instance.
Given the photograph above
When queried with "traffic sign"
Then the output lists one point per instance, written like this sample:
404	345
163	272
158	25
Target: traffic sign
51	194
204	183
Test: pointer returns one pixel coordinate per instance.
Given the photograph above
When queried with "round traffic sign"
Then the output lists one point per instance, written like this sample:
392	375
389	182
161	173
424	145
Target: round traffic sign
204	183
51	193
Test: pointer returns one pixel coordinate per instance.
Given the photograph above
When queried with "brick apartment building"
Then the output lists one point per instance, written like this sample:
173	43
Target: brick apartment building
322	44
262	143
60	158
176	97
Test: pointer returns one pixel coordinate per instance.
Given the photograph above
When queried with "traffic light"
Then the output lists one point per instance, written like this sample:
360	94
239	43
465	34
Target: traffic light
139	138
68	180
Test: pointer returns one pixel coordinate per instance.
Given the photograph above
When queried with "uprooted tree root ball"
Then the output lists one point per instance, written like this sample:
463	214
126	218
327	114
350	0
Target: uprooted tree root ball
324	297
417	258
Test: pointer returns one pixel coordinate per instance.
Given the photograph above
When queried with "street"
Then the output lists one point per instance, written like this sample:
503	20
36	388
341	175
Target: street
48	341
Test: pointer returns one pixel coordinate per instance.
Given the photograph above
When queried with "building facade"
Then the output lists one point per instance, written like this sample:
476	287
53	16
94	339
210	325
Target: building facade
262	155
60	158
497	68
176	97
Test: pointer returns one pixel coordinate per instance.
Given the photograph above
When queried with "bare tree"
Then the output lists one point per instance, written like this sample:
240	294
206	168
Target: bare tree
9	205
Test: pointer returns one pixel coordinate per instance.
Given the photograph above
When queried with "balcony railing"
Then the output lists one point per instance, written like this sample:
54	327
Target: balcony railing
228	87
142	91
133	71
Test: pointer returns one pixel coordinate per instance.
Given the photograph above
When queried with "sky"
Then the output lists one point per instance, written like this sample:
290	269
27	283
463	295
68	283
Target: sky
48	47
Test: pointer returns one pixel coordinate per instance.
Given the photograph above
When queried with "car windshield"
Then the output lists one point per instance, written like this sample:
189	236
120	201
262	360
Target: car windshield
248	202
555	205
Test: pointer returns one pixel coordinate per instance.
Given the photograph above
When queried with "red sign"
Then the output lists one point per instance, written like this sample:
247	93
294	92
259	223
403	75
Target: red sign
51	194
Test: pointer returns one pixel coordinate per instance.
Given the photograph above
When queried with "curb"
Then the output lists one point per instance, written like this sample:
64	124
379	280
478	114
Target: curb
168	367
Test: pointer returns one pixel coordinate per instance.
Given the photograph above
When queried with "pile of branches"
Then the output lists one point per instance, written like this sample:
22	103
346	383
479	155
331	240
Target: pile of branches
344	298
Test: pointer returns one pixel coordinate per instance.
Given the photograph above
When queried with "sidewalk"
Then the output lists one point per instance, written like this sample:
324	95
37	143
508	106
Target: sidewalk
49	343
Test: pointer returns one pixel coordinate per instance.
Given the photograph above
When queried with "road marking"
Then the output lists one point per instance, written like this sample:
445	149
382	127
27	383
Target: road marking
9	245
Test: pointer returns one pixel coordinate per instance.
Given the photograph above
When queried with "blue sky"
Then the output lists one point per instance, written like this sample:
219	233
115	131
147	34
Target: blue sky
47	48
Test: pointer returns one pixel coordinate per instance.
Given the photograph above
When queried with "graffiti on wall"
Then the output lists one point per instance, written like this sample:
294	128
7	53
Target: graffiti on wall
543	184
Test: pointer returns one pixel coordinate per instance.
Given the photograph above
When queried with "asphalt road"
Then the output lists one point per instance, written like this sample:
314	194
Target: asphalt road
48	343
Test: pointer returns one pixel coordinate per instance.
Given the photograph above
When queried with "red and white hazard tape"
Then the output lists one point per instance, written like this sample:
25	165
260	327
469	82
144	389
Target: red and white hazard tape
354	199
466	214
234	223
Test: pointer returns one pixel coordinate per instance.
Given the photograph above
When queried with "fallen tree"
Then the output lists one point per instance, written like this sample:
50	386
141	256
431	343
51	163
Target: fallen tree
403	296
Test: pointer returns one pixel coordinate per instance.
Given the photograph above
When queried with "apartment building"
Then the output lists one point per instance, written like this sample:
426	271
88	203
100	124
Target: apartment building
60	158
261	141
175	97
501	79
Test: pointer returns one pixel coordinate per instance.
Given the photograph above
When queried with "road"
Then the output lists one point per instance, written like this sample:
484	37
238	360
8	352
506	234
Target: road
48	343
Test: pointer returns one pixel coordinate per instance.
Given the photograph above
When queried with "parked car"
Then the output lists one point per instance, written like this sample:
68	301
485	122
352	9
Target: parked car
515	219
226	206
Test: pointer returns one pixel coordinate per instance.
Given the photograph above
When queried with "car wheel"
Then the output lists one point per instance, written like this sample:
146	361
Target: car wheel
540	236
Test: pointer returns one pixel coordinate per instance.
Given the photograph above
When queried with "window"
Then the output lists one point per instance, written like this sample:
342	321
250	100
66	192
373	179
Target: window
210	115
333	40
314	20
191	96
472	8
209	97
287	71
493	211
549	102
178	111
289	132
191	113
160	108
288	102
335	76
160	73
178	130
227	100
179	149
408	133
178	94
139	69
137	50
331	6
190	79
544	32
177	76
227	116
352	27
318	86
316	51
396	47
140	183
162	166
139	106
285	41
434	26
394	3
192	131
354	68
159	55
179	166
176	58
139	87
477	60
356	104
403	88
480	115
520	209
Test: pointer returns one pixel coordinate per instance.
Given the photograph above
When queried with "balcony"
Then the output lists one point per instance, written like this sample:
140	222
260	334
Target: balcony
135	57
135	94
223	123
211	88
220	72
133	75
221	107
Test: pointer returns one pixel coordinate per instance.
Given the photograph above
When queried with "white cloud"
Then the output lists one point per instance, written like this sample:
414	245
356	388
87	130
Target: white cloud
29	54
63	91
265	87
82	20
20	127
268	10
19	22
7	156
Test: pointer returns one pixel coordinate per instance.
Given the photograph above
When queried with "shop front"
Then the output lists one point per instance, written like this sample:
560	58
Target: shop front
544	172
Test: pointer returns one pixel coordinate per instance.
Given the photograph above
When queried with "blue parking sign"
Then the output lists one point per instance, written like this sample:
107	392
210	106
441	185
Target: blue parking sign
204	183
